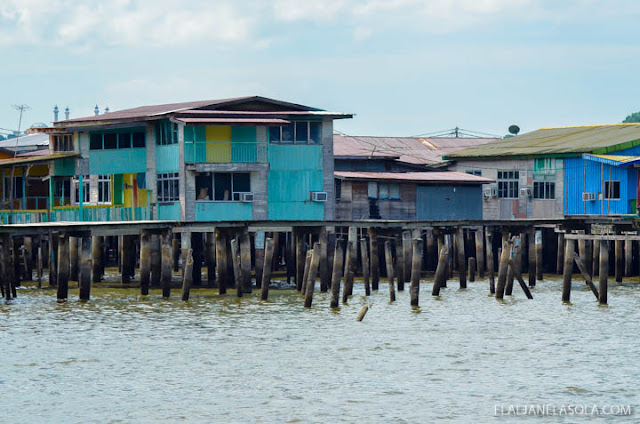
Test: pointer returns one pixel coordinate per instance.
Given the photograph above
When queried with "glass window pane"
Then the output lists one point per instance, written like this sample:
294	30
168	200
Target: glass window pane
241	182
110	141
394	191
138	139
222	186
287	134
302	130
314	133
95	142
124	140
274	134
384	191
372	190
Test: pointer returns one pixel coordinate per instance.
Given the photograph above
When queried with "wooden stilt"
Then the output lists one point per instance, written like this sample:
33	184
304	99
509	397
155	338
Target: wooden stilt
259	240
97	258
39	268
619	260
313	273
628	257
348	271
531	250
156	259
585	274
305	274
266	270
503	269
365	266
431	251
323	267
588	256
441	271
398	264
416	265
461	258
374	258
197	253
127	259
145	263
560	256
6	266
28	251
175	248
596	259
516	266
338	259
166	265
568	270
389	262
53	260
362	313
480	252
237	271
603	275
471	269
300	257
210	258
508	290
85	268
63	267
245	260
490	261
188	276
539	260
73	258
221	261
406	257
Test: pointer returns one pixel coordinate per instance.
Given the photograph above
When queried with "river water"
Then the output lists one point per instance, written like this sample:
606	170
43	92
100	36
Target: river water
463	357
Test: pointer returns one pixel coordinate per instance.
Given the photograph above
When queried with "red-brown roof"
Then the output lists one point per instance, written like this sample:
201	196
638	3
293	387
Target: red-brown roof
415	150
423	177
253	121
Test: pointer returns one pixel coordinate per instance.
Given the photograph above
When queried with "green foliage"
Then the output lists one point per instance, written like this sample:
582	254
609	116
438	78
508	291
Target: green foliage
634	117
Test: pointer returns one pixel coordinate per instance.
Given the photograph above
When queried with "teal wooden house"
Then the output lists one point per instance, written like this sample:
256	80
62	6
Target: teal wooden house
248	158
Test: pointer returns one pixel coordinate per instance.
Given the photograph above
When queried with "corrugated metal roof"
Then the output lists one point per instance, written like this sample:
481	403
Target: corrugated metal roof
33	139
613	160
233	121
415	150
563	141
36	157
424	177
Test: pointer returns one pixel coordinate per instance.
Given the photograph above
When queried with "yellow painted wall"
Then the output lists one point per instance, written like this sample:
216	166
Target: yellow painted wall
218	143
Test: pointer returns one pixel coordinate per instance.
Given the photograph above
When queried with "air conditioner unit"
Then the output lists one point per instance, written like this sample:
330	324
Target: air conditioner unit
246	197
525	191
319	196
587	197
490	192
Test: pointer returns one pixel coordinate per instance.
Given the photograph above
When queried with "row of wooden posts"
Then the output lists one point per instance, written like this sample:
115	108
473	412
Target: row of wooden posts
307	254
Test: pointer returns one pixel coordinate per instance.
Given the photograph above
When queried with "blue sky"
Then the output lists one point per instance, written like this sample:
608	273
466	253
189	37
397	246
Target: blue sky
404	67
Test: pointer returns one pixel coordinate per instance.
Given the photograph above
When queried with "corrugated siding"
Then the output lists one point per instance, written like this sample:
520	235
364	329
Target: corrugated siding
295	171
584	176
449	202
118	161
167	158
224	211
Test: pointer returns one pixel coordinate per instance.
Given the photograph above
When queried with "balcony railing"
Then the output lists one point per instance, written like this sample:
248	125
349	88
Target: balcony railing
224	152
74	214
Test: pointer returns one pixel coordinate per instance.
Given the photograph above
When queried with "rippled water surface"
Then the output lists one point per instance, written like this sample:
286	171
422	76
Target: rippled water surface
121	358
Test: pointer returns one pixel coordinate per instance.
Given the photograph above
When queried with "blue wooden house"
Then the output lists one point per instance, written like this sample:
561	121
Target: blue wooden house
248	158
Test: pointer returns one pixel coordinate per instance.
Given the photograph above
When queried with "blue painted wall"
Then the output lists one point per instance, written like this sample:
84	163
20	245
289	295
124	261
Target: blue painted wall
295	171
585	176
224	211
448	202
167	158
118	161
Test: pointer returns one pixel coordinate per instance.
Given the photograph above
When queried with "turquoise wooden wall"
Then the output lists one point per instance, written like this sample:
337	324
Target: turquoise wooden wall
224	211
167	158
169	211
118	161
243	144
64	167
295	171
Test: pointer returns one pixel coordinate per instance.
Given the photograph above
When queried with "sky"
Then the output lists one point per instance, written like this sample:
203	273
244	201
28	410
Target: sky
403	67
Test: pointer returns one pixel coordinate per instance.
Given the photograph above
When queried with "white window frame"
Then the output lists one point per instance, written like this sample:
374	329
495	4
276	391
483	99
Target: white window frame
106	194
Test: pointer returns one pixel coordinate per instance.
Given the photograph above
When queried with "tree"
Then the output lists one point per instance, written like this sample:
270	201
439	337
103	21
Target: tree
634	117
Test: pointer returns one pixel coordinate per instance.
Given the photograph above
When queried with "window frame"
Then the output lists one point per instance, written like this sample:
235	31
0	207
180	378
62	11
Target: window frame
605	192
508	184
134	137
232	189
86	190
102	180
308	140
168	187
63	142
548	190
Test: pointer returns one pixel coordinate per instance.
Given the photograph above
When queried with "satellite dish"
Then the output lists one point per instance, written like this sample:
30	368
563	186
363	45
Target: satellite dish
514	129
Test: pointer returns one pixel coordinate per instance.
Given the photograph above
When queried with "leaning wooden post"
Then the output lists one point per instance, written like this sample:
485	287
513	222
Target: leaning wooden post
145	262
245	260
323	267
374	258
603	276
85	268
539	259
237	272
313	273
585	274
389	262
338	259
461	258
628	257
97	258
560	256
502	270
490	260
266	270
210	258
516	266
531	256
619	260
305	274
471	269
441	271
221	261
406	256
365	266
480	251
188	275
63	267
416	265
167	264
73	258
348	272
568	270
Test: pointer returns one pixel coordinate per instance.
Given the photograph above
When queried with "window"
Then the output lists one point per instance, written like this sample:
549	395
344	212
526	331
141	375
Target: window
544	190
62	191
338	188
299	132
168	187
475	172
222	186
17	186
86	194
612	190
166	133
63	142
116	140
508	184
104	188
383	191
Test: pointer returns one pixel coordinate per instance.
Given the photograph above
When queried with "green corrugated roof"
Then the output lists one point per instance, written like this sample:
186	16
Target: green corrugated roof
561	141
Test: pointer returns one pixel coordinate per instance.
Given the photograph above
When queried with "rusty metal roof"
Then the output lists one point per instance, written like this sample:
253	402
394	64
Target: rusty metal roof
414	150
560	141
235	121
422	177
36	157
